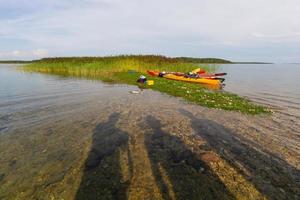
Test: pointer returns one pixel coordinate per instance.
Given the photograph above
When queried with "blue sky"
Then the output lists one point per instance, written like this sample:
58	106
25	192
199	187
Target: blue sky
239	30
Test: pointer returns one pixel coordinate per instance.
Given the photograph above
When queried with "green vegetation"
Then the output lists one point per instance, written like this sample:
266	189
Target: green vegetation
14	61
116	69
146	59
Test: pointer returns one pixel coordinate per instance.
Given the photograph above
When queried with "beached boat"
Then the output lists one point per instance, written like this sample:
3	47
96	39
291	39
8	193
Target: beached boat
193	80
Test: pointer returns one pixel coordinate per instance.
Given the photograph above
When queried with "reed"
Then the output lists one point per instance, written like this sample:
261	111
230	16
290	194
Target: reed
97	65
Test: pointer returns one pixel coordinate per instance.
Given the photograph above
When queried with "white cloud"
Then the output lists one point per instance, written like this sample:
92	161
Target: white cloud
40	53
17	54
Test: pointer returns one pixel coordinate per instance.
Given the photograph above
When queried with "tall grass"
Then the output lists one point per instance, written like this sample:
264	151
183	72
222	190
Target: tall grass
95	66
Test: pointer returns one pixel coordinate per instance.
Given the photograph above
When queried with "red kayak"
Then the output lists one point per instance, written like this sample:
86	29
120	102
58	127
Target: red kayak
153	73
202	75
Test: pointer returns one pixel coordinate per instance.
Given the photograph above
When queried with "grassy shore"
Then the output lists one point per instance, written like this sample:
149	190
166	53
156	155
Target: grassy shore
117	69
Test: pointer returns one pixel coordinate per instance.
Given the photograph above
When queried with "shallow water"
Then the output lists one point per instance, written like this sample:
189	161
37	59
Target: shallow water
276	85
28	98
66	138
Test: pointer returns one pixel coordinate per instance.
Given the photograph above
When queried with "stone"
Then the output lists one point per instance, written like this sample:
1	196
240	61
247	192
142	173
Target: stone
2	175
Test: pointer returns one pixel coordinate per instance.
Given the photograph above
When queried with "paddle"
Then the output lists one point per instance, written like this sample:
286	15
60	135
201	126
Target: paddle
212	75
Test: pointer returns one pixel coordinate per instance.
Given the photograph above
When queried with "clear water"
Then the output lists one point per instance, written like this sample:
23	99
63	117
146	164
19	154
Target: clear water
26	97
276	85
46	126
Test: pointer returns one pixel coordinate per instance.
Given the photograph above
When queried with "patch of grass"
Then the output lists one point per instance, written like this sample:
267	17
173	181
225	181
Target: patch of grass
197	94
115	69
93	66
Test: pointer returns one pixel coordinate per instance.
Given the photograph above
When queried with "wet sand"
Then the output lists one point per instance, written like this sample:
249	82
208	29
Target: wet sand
117	145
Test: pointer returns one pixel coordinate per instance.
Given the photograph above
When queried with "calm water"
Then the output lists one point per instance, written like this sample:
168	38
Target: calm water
274	85
47	123
26	97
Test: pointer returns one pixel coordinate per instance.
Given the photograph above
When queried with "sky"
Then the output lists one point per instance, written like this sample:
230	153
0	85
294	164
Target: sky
238	30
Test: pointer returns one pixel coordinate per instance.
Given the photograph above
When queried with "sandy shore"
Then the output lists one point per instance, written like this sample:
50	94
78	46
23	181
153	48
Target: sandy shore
151	146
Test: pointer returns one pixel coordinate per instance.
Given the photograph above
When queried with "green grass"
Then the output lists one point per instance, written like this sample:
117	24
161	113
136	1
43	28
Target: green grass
115	69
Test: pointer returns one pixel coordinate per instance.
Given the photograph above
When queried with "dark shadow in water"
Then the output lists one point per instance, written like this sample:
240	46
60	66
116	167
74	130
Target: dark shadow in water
270	174
102	178
188	177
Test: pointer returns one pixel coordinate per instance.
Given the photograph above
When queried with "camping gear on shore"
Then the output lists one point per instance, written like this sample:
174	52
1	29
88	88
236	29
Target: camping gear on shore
142	79
150	82
198	71
161	74
193	80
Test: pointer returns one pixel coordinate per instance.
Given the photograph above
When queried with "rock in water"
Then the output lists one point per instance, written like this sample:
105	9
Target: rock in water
2	175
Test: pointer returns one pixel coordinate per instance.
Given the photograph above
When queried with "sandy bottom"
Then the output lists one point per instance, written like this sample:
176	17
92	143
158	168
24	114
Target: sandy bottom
148	146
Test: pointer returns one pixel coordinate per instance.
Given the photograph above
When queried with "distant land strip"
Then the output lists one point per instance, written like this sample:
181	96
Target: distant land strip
15	61
179	59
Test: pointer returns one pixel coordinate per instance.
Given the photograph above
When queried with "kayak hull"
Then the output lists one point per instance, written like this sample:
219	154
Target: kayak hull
193	80
153	73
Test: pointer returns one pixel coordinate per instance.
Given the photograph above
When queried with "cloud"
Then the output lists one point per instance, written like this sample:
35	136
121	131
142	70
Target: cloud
191	28
276	36
40	53
17	54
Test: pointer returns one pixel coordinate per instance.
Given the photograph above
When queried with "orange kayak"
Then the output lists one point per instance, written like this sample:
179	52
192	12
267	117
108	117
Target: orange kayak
153	73
201	75
193	80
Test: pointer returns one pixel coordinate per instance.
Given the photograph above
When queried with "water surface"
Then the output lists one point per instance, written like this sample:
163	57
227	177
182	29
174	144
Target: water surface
29	98
65	138
274	84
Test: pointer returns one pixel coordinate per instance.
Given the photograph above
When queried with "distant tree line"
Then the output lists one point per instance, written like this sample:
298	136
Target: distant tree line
142	58
139	58
14	61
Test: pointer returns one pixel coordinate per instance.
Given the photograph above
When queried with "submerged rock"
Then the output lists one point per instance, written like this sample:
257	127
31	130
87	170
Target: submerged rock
209	157
13	164
2	175
3	128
